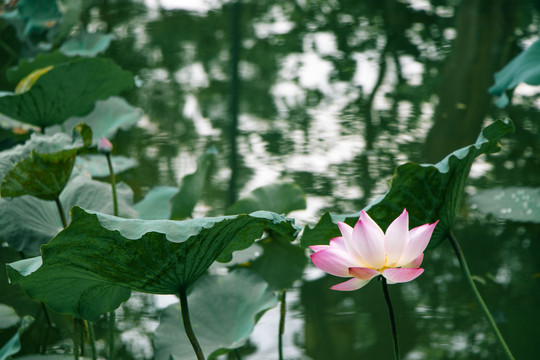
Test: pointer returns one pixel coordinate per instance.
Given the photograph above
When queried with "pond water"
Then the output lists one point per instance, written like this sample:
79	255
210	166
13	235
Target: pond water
333	95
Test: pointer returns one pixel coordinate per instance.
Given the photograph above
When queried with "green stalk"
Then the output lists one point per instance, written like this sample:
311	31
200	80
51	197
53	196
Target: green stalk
187	325
392	319
115	213
75	342
113	184
61	211
283	311
92	338
470	281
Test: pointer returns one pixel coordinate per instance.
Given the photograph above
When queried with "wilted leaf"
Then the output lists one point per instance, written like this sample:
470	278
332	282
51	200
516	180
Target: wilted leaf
428	192
98	256
223	309
281	197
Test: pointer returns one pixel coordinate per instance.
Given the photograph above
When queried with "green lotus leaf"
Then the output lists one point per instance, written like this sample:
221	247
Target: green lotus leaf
97	165
191	188
105	120
280	264
428	192
523	68
69	89
27	222
156	204
281	197
44	175
223	312
514	203
99	256
36	15
42	60
86	44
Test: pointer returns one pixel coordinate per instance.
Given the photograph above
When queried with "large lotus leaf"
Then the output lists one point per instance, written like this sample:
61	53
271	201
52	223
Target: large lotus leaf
514	203
223	312
69	89
192	187
44	175
98	254
105	120
42	60
156	204
281	263
13	346
27	222
86	44
428	192
281	197
523	68
97	164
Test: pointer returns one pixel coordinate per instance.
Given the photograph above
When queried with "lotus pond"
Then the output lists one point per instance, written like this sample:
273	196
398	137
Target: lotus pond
173	173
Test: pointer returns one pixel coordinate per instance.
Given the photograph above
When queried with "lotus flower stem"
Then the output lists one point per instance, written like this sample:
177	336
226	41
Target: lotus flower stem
187	324
113	184
283	311
470	281
392	319
61	212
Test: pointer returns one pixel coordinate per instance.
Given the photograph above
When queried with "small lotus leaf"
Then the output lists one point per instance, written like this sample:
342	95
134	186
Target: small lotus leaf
281	197
428	192
69	89
27	222
44	175
106	119
86	44
192	187
97	165
223	312
13	346
8	317
523	68
98	254
156	204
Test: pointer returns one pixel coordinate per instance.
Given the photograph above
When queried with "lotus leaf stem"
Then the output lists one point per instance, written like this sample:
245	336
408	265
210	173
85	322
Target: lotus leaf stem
91	338
392	319
112	318
113	184
483	306
187	324
283	311
61	211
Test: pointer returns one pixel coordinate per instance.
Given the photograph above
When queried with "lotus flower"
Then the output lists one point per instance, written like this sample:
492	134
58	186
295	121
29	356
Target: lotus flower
365	251
104	146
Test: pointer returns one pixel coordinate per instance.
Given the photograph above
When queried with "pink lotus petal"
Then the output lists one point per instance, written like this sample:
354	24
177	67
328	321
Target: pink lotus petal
346	230
104	145
319	247
397	275
415	263
418	241
363	273
368	242
333	261
338	242
396	238
350	285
